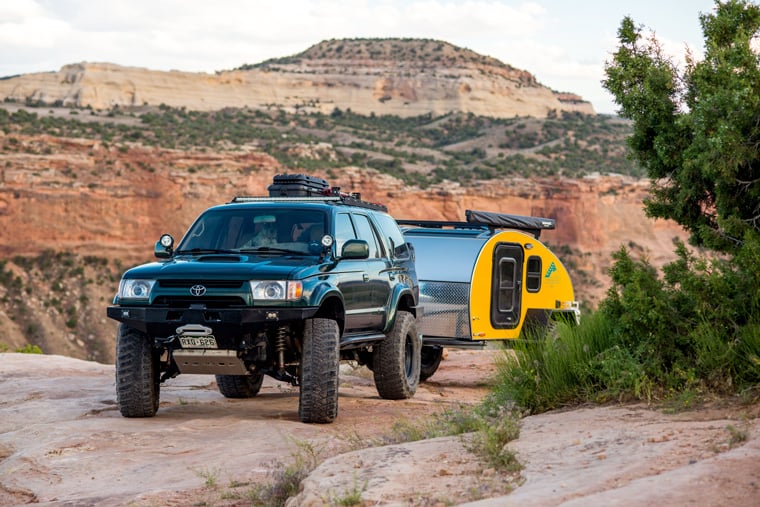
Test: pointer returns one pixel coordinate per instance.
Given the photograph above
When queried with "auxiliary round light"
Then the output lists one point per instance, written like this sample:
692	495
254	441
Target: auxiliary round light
166	240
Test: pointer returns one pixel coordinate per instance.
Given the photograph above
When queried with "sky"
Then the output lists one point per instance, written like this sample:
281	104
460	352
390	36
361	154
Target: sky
564	44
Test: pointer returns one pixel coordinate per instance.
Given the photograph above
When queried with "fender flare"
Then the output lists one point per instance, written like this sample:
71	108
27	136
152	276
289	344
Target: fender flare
399	292
325	291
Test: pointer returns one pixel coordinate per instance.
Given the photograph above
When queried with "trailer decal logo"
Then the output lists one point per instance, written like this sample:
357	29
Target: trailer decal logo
552	269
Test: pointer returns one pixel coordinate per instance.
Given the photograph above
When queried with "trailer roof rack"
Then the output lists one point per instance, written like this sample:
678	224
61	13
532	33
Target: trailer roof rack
488	220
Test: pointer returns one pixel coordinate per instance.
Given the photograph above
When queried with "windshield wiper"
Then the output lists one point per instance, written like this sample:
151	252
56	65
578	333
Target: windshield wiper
271	249
200	251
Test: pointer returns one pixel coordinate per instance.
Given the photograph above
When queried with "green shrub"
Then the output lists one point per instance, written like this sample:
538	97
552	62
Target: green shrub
29	349
693	331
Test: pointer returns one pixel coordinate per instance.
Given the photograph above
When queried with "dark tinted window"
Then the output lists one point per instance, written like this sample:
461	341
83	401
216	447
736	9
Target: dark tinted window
392	236
507	270
367	233
533	274
344	230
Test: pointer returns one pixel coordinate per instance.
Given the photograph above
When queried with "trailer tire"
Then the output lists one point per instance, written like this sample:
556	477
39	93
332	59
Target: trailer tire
396	360
320	361
137	373
240	386
430	359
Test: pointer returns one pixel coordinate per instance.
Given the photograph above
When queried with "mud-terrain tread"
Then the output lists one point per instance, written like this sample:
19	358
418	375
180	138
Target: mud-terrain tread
240	386
392	378
320	361
137	374
429	361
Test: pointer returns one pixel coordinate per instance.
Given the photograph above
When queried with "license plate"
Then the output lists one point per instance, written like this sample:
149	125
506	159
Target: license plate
198	342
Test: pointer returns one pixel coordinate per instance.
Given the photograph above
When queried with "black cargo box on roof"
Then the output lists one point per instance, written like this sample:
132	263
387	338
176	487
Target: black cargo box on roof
297	185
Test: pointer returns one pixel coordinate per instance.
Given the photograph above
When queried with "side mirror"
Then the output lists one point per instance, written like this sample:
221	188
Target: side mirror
164	247
355	249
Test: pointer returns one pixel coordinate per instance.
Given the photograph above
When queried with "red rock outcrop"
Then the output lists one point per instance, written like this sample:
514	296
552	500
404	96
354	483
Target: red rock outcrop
87	197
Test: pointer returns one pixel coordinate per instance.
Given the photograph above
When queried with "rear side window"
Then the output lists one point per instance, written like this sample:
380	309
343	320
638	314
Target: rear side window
344	230
392	236
367	233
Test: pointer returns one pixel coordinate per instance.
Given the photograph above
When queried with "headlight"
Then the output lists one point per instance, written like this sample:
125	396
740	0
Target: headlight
135	289
276	290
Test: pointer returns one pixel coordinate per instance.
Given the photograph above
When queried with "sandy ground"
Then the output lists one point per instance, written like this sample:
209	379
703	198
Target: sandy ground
63	442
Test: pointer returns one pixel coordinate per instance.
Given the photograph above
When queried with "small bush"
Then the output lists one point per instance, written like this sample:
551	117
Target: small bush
29	349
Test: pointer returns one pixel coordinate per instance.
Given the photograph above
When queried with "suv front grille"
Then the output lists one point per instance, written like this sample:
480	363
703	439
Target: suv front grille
209	284
209	301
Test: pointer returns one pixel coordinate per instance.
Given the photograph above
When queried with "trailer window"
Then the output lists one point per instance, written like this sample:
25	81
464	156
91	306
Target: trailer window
533	274
506	299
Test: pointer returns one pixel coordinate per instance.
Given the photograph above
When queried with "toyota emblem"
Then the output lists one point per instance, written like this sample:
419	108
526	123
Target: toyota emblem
197	290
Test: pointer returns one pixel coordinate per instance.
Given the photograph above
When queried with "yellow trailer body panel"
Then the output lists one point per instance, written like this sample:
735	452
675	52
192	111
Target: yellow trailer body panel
516	278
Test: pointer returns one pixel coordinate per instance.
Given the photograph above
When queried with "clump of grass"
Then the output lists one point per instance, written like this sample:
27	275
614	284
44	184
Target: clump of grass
737	435
351	497
209	475
443	424
488	427
287	478
490	441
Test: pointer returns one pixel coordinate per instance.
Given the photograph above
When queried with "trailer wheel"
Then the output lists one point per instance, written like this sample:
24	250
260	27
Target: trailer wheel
137	373
320	361
240	386
430	359
396	360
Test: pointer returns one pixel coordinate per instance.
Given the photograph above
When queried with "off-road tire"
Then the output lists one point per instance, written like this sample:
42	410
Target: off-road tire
320	361
430	359
240	386
396	360
137	373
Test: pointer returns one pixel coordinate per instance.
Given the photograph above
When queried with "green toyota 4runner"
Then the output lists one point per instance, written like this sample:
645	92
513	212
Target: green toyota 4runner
281	286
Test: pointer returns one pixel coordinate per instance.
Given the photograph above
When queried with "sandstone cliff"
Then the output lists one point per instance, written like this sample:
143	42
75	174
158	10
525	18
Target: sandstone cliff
405	77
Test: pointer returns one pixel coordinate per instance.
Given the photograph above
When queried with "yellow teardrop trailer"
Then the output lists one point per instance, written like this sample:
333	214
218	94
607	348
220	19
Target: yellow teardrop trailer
485	279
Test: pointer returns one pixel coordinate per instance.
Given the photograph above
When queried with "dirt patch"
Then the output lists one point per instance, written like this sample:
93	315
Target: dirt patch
62	441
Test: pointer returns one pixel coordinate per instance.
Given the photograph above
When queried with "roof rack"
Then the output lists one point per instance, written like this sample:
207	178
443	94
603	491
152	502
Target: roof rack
490	221
345	199
305	188
440	224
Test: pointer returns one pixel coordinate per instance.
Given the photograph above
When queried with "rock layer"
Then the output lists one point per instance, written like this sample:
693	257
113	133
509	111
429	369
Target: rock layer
369	76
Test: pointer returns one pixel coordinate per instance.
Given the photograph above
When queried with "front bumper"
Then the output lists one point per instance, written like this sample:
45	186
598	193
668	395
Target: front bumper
225	323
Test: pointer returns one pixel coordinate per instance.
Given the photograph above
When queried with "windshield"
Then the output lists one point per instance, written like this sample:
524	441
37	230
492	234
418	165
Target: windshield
256	230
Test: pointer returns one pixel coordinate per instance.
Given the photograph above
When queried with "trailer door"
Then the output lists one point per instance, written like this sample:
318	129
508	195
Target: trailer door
506	285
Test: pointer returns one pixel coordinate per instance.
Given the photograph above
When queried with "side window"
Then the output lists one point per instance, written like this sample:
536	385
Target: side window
533	274
367	233
506	280
393	237
344	230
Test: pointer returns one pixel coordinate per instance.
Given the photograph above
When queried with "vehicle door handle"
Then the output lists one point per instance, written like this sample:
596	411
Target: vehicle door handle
365	276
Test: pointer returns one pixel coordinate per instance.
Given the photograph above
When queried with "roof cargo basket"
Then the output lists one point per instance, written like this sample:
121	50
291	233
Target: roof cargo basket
298	185
287	187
